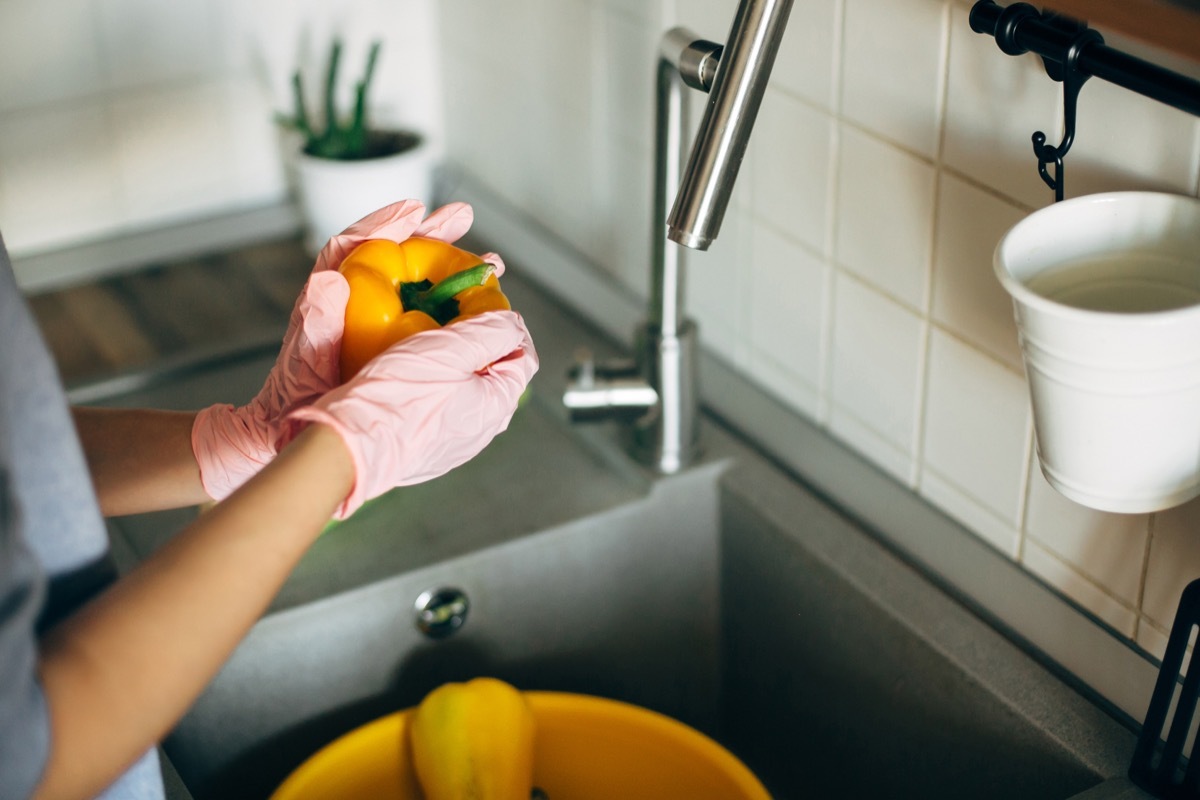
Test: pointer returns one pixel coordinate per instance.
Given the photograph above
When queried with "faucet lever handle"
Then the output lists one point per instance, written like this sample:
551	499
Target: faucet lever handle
612	388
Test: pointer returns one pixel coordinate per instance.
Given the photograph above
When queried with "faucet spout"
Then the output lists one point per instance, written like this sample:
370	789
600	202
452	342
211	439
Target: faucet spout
737	92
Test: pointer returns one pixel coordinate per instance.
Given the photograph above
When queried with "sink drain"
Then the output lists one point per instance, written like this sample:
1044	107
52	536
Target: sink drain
440	612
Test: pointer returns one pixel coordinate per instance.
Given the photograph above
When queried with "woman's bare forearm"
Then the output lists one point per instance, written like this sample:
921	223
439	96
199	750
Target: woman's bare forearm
140	459
121	672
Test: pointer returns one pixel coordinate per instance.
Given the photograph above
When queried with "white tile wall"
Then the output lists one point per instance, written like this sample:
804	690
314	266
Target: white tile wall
807	63
171	151
892	152
788	295
119	115
1174	561
1096	557
43	62
876	363
968	301
145	43
59	180
994	103
885	202
793	193
852	277
976	434
1147	146
903	106
713	294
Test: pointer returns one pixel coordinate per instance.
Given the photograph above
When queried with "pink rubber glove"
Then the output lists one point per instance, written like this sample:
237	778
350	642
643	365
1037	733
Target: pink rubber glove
428	403
400	221
232	444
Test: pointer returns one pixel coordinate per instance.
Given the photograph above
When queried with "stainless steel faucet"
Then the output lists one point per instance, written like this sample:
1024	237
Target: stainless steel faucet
659	389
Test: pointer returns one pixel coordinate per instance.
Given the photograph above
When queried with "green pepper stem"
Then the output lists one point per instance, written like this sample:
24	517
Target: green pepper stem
451	285
438	300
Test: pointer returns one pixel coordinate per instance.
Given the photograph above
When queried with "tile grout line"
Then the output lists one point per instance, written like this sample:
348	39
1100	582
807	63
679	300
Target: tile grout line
825	391
927	321
1143	577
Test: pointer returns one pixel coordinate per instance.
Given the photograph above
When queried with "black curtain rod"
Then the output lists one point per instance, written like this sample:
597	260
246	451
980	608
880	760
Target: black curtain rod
1022	28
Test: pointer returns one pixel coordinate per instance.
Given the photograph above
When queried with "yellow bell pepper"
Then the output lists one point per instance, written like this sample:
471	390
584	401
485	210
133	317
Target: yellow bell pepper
473	741
397	290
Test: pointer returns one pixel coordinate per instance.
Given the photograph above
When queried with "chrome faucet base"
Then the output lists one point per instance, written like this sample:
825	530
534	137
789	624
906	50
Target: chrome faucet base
667	437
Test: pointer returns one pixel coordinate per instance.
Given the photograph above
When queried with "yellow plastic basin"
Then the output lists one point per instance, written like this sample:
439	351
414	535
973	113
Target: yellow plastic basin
587	748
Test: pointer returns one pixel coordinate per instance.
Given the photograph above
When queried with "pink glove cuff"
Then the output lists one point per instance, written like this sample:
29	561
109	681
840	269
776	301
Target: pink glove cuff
229	448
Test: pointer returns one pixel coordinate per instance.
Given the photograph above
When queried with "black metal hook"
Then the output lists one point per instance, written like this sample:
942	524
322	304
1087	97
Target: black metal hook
1061	41
1072	78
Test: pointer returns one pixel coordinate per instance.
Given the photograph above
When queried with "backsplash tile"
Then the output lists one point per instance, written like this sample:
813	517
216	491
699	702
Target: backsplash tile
994	103
1174	561
645	11
1129	142
792	192
556	67
146	43
622	244
172	151
787	329
627	46
59	176
968	511
48	53
1050	567
808	59
467	23
876	361
711	19
716	299
484	94
976	427
968	301
1151	638
258	171
902	105
884	216
123	115
1106	549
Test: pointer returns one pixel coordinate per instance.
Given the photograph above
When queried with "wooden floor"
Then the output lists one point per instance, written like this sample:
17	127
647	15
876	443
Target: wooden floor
166	311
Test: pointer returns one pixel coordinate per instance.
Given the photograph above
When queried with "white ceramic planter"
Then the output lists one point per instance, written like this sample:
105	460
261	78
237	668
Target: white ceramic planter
334	194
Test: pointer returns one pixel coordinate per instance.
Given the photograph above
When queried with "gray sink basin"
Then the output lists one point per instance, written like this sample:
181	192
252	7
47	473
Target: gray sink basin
730	596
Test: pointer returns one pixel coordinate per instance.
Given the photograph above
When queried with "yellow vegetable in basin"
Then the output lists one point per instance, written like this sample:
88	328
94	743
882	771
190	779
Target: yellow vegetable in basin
473	741
584	748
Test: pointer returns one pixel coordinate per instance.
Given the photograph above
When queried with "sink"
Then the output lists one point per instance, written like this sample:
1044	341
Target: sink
730	596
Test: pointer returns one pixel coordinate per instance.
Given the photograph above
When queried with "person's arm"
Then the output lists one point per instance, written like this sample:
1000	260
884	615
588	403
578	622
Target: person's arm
140	459
120	673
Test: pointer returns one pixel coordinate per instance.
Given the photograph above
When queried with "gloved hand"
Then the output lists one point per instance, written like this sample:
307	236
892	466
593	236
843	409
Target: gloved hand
428	403
232	444
400	221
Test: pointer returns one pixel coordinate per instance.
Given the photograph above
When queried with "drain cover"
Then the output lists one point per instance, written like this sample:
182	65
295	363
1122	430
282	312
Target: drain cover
440	612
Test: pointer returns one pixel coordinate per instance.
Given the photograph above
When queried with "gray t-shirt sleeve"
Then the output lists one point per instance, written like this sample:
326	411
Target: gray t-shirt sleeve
53	545
24	724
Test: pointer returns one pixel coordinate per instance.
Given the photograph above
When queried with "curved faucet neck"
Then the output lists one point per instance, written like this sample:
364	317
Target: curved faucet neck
737	91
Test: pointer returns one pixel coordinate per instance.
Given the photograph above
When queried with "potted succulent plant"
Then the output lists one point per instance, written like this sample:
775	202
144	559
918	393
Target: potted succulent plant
345	166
